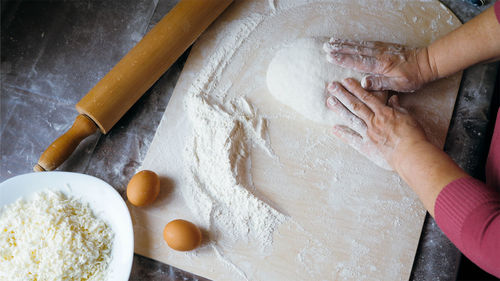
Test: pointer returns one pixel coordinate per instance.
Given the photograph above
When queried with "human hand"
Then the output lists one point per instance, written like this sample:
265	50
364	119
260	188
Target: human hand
389	66
380	132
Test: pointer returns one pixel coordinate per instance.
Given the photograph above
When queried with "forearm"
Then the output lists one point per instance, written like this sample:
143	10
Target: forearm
426	169
476	41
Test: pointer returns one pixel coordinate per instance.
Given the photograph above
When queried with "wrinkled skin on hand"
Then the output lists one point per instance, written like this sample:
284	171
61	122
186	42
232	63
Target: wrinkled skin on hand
374	128
388	66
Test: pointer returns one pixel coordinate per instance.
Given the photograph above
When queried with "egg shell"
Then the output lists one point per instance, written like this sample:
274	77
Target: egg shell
143	188
182	235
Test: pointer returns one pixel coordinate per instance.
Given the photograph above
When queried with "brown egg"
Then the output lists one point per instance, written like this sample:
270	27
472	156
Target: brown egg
182	235
143	188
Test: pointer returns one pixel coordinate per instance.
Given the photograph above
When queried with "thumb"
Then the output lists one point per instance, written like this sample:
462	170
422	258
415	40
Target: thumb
376	83
394	103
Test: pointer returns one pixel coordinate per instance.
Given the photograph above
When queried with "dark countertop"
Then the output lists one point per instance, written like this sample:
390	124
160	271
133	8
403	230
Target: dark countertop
53	52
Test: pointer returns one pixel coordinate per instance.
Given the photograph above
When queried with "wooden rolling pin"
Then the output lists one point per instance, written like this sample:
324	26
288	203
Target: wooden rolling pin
108	101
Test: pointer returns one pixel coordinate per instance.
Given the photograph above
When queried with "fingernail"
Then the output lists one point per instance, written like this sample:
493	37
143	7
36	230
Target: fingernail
331	47
335	46
393	100
330	59
326	47
333	40
334	58
366	83
348	80
332	101
332	87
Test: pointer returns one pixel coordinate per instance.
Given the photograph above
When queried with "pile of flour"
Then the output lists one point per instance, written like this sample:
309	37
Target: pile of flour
219	182
219	179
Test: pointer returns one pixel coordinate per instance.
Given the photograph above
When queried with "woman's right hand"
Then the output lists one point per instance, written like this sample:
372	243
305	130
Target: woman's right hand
388	66
372	127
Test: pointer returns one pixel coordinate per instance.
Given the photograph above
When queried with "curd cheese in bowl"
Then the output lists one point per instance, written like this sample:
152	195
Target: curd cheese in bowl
63	226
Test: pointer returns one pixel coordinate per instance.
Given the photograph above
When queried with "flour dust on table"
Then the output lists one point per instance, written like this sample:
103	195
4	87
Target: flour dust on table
219	187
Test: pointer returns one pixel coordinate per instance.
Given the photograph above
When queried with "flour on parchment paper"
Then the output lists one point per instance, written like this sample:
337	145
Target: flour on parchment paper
219	182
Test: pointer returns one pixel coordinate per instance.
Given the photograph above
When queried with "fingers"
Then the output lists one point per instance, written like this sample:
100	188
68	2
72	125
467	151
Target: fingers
348	136
347	116
384	83
350	49
367	149
360	63
374	45
351	102
363	56
377	83
367	44
370	100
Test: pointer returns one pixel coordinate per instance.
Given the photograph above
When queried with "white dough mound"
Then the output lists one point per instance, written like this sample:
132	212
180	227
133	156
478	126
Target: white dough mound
298	75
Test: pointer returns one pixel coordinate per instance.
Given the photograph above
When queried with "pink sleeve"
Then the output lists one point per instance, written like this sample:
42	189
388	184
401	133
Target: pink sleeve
468	212
497	10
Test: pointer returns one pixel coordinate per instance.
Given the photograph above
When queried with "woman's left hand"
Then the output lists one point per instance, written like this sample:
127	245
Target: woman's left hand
381	132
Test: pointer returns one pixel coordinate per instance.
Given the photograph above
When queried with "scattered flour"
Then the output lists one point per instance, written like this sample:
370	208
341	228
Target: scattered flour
220	191
219	182
219	179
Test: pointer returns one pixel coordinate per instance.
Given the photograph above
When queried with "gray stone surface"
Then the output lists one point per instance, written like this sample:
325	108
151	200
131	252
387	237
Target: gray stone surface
53	52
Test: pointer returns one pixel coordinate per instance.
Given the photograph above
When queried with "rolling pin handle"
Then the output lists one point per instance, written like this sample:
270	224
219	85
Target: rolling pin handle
63	146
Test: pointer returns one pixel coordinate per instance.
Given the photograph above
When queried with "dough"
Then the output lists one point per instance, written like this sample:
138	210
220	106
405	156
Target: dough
298	75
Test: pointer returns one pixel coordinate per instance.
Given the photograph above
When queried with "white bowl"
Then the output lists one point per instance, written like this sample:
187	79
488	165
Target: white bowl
102	198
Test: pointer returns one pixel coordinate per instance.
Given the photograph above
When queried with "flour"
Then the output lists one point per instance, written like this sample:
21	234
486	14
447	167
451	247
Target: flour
219	179
219	182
